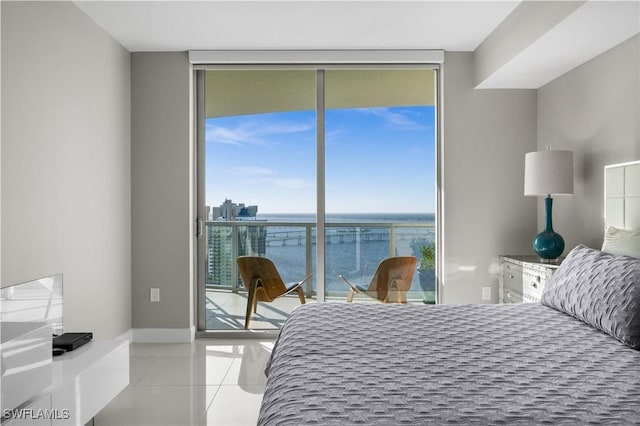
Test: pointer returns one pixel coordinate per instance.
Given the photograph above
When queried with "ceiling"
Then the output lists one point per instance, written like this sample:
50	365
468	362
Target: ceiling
191	25
363	24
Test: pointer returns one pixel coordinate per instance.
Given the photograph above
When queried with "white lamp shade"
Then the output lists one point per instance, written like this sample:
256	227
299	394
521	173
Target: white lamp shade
548	172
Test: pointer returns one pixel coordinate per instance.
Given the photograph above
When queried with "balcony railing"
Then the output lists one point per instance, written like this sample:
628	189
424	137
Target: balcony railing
351	249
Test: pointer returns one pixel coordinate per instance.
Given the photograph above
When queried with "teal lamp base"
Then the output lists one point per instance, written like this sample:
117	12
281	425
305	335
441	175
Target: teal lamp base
548	244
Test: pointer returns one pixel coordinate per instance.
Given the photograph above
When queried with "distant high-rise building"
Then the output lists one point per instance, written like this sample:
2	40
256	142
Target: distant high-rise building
251	240
230	211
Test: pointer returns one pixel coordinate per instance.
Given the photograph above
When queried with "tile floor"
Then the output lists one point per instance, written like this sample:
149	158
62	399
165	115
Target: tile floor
226	311
207	382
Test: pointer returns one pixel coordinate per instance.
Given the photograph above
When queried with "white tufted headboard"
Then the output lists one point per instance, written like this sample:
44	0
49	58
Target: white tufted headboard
622	195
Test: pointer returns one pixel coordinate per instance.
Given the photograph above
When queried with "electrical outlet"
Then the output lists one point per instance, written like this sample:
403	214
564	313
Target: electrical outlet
486	293
154	294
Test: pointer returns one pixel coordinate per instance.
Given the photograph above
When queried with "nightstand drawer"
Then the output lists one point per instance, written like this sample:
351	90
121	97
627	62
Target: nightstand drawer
534	280
511	282
509	295
532	286
522	278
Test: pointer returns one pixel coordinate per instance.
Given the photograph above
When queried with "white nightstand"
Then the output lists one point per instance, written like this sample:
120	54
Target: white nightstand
522	278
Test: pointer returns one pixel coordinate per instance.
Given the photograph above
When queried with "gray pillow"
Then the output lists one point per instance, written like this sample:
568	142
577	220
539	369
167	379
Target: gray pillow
601	289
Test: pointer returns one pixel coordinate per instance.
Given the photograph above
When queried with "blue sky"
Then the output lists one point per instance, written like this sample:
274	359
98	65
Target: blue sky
378	160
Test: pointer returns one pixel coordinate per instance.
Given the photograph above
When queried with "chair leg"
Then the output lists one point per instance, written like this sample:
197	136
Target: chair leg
251	297
350	296
301	295
255	305
392	295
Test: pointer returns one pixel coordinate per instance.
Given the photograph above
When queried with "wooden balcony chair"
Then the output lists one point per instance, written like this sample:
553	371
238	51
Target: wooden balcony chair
264	284
391	281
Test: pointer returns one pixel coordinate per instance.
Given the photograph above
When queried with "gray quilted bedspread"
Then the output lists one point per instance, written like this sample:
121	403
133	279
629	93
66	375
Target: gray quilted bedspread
348	364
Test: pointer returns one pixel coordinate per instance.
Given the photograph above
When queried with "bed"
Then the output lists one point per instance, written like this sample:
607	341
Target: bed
574	358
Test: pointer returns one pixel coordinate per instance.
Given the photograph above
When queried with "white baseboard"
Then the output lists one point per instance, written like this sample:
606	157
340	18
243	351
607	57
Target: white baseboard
163	335
127	335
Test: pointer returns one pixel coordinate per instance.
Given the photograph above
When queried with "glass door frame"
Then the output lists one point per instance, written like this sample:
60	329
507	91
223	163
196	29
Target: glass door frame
232	60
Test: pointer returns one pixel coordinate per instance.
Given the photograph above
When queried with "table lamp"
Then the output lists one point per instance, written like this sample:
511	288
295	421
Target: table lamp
548	173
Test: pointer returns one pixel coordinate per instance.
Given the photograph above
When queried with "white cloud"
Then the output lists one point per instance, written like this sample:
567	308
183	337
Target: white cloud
252	131
289	183
394	119
228	136
251	171
256	175
274	182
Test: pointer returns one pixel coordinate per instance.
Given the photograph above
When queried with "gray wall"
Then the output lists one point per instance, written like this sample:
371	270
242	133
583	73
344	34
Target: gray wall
593	110
162	213
66	161
486	135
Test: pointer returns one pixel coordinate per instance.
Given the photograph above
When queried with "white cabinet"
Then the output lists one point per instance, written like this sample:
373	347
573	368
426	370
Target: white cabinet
89	378
37	414
522	278
83	382
25	361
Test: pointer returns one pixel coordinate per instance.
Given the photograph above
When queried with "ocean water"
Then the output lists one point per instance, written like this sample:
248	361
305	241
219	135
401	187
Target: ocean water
354	244
350	217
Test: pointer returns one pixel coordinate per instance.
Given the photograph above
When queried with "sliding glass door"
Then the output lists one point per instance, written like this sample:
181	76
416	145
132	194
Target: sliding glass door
379	173
323	171
259	187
